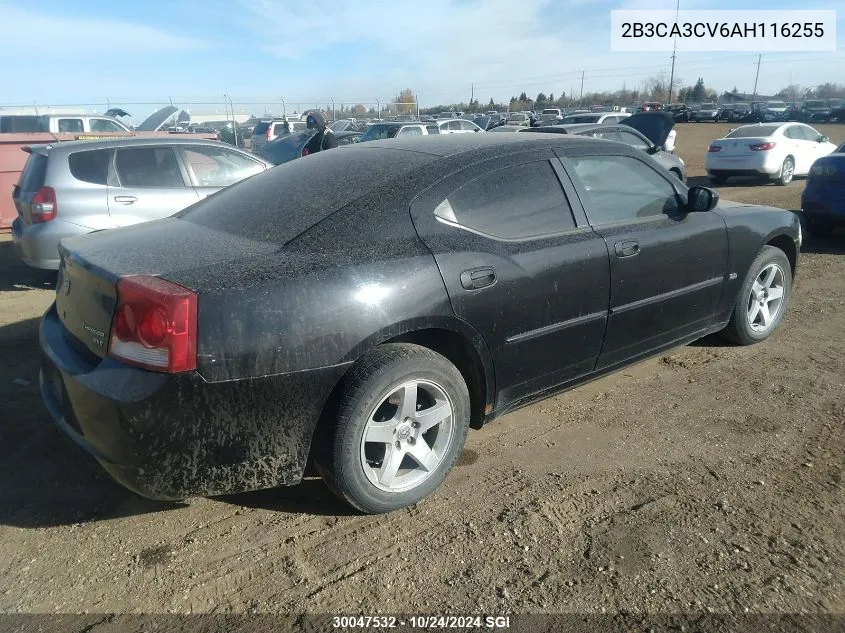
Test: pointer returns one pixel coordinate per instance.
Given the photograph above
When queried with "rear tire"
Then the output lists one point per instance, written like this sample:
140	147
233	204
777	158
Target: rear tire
402	421
762	300
787	171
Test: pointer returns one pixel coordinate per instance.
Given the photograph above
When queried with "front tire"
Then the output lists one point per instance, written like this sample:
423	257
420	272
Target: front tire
787	171
402	422
763	298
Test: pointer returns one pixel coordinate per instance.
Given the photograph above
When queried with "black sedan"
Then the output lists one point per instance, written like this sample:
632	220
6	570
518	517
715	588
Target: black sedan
368	316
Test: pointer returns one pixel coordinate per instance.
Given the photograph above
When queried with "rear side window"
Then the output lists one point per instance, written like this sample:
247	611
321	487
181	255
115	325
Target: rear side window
148	167
70	126
410	131
33	174
90	166
432	129
515	203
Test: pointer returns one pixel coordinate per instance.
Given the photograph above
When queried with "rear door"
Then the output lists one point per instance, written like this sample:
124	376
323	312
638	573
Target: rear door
147	183
212	168
667	267
521	266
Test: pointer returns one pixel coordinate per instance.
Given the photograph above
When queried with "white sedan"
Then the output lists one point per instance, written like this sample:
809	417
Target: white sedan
776	151
457	126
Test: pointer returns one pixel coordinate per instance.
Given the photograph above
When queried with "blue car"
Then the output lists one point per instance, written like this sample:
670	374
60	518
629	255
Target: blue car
823	200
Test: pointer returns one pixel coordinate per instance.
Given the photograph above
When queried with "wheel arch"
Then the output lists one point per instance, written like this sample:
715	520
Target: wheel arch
786	244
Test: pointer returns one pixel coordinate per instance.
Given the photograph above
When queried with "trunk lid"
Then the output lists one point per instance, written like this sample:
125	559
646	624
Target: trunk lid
86	297
654	125
32	178
739	146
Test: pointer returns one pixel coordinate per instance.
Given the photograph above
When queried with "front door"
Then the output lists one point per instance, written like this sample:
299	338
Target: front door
667	266
519	268
147	183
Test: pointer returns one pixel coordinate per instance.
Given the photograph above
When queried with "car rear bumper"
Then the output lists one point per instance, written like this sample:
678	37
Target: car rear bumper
762	163
38	244
171	436
828	203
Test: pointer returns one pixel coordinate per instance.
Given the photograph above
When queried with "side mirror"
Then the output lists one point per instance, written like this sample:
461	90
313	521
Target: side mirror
823	139
702	199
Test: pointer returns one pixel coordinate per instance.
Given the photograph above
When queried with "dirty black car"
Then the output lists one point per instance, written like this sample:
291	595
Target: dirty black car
420	287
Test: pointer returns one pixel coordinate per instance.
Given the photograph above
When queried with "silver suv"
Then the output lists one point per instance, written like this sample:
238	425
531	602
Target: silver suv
77	187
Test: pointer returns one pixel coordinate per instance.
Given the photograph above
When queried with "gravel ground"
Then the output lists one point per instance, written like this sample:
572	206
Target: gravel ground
705	481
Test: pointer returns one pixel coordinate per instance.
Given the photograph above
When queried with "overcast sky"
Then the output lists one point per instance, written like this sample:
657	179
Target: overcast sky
194	51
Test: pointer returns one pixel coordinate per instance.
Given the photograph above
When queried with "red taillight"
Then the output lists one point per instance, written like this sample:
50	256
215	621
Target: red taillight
714	148
155	324
305	151
268	133
761	147
44	207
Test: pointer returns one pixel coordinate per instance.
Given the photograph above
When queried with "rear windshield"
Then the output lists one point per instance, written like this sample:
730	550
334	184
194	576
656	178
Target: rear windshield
816	104
34	172
281	203
708	106
550	111
775	104
582	118
753	130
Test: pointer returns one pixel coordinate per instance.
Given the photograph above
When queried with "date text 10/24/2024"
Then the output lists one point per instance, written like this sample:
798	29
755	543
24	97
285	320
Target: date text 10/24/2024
421	622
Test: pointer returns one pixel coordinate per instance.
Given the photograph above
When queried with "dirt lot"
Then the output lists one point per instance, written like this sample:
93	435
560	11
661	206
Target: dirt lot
706	480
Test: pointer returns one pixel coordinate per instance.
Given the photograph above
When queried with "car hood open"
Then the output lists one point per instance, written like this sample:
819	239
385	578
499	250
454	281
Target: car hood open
655	125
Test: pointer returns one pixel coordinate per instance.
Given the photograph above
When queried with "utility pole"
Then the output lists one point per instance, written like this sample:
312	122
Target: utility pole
757	76
581	98
674	52
471	95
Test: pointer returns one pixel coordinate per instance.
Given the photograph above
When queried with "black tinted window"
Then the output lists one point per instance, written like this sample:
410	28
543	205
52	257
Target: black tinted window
148	167
622	188
90	166
260	128
513	203
432	129
22	124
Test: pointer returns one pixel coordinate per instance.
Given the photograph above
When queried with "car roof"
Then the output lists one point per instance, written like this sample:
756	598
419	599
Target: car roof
485	144
123	141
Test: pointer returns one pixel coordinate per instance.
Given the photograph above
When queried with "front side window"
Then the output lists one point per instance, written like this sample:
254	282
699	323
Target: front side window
70	126
453	125
92	167
468	126
218	167
104	125
515	203
148	167
622	188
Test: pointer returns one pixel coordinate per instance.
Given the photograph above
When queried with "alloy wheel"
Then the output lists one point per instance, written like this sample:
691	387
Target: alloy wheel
407	435
766	298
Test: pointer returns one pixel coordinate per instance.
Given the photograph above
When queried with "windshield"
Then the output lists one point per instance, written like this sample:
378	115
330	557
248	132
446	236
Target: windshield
775	104
708	106
748	131
582	118
550	111
279	204
816	104
379	132
340	126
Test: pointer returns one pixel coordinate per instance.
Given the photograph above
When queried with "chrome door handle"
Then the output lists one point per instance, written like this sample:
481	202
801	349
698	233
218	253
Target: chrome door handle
125	199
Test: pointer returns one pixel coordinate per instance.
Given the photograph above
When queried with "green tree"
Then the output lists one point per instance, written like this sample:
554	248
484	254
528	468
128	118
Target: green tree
406	101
